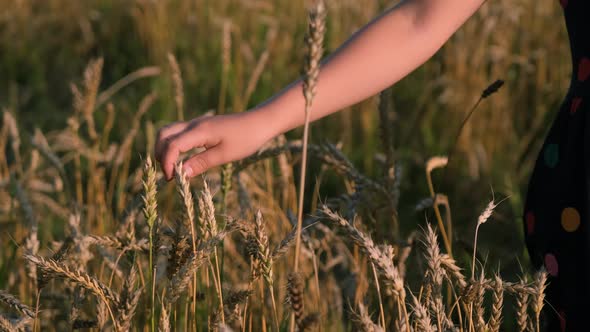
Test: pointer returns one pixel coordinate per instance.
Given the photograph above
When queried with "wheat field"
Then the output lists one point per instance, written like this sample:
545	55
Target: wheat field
93	238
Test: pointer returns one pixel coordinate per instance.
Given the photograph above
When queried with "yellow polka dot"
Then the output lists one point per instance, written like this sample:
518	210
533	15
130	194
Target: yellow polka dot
570	219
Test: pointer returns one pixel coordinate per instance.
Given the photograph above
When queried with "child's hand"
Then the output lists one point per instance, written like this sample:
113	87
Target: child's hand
225	137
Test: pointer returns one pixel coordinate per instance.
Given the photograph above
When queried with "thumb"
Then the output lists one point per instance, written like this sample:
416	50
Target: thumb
201	162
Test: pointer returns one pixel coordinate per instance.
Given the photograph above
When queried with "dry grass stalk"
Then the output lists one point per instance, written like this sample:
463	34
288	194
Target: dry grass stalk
178	89
431	164
436	162
144	72
14	303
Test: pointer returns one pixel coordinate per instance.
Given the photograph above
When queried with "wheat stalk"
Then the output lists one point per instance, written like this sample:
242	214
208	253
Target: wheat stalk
129	301
363	321
522	304
479	309
383	264
184	191
434	276
164	323
497	305
539	295
295	285
314	41
483	217
177	81
421	315
6	325
110	298
15	304
207	218
32	241
151	215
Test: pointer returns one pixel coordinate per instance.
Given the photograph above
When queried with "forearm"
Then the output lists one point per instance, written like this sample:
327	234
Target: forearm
377	56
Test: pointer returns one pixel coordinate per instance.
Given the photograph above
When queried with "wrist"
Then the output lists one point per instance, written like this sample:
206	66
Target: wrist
270	121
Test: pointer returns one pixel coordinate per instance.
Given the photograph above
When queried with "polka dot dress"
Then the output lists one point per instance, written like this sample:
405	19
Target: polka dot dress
557	209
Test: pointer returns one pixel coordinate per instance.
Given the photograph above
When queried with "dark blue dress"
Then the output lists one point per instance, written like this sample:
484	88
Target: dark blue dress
557	208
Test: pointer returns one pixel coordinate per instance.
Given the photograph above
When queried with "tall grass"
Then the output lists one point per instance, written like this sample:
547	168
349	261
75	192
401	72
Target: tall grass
77	251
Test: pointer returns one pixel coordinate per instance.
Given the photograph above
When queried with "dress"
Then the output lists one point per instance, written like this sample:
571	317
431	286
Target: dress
557	208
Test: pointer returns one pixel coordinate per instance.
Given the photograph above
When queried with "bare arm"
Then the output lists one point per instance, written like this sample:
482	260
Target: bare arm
380	54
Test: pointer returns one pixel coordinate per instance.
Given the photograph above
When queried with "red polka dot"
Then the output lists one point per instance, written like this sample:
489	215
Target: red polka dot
530	222
562	320
563	3
575	104
584	69
551	265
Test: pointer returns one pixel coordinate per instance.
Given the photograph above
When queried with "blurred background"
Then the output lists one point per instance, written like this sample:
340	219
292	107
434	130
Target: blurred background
234	54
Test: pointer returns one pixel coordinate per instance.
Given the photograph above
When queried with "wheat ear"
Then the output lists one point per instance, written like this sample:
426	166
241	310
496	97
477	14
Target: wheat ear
15	304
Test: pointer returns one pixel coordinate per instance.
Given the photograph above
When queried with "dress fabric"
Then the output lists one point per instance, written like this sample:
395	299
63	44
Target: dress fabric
557	208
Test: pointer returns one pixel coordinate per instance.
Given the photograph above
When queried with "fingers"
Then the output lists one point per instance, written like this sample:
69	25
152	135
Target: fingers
202	162
164	133
182	142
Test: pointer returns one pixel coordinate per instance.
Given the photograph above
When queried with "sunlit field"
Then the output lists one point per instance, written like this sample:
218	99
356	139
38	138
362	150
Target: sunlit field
412	211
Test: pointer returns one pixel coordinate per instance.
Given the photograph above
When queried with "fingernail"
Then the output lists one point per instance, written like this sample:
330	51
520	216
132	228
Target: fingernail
187	171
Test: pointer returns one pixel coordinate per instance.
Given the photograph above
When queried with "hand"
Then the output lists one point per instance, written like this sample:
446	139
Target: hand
226	138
